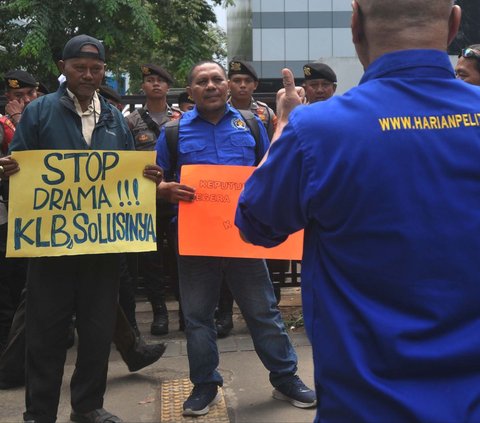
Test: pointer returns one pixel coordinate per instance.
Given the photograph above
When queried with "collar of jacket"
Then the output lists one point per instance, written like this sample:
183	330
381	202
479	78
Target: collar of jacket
65	100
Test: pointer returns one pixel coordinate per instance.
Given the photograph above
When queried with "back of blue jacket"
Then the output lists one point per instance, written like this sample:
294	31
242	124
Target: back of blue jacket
386	182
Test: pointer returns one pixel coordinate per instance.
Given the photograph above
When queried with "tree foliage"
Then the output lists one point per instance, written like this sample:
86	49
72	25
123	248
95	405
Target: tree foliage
173	33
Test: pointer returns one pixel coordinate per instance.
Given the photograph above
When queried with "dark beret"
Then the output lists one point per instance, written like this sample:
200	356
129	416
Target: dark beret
185	98
318	70
43	88
19	79
109	93
156	70
240	67
74	46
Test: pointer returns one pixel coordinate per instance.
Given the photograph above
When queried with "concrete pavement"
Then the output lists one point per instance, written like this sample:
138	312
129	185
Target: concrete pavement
156	393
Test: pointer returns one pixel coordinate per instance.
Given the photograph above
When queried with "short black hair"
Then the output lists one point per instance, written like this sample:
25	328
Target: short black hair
203	62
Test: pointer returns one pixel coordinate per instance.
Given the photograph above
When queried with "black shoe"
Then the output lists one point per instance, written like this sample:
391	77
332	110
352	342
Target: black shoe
94	416
224	325
160	319
200	399
142	355
296	393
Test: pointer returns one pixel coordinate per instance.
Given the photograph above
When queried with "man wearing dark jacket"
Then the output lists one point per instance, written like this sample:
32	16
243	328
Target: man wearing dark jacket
73	118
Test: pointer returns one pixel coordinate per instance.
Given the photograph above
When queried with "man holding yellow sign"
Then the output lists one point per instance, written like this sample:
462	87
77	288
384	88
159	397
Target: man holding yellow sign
73	118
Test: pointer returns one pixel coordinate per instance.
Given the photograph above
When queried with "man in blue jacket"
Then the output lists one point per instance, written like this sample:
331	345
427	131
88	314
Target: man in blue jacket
216	133
386	182
73	118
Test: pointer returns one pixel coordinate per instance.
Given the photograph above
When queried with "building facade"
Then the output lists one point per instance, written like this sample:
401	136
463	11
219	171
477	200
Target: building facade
274	34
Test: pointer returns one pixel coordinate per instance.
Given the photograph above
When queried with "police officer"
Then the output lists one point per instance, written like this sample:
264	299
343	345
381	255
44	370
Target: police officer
145	125
185	102
320	82
242	82
20	91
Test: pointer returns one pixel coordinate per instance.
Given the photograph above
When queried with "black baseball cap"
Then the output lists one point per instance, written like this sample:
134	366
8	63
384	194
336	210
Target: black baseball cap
74	46
317	70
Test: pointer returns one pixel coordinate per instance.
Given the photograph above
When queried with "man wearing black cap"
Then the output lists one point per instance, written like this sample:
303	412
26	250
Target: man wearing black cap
320	82
145	124
73	118
242	82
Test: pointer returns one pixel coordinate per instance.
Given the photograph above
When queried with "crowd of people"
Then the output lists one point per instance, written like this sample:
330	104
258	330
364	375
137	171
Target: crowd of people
390	212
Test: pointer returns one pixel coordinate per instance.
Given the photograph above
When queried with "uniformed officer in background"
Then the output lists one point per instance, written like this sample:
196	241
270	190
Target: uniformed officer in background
185	102
320	82
145	124
20	90
242	82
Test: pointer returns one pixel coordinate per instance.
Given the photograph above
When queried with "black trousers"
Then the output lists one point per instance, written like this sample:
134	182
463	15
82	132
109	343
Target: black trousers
12	360
57	288
12	281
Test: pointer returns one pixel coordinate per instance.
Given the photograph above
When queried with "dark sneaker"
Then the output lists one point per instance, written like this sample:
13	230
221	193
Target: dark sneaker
296	393
200	399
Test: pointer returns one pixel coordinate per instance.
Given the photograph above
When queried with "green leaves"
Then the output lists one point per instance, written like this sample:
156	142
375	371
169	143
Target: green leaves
172	33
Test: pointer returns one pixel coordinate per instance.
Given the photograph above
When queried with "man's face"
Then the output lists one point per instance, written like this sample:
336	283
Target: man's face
242	87
22	95
155	87
209	88
84	74
467	70
318	90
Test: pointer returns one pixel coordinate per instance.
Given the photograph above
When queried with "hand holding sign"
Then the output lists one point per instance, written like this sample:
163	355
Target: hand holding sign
8	167
173	192
154	173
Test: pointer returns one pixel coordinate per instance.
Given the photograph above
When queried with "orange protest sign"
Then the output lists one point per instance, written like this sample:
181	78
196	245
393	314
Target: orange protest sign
206	226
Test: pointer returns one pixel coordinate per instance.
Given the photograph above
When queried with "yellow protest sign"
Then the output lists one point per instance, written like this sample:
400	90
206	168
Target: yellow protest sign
68	202
206	225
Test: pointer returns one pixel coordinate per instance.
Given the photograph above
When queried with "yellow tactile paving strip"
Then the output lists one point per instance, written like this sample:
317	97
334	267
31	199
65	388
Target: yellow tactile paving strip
175	392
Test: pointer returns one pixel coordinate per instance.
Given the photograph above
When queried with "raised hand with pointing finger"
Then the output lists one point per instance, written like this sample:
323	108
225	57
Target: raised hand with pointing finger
288	98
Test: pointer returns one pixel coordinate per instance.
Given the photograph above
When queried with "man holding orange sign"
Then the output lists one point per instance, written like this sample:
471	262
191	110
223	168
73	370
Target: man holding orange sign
215	133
